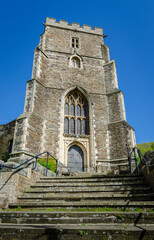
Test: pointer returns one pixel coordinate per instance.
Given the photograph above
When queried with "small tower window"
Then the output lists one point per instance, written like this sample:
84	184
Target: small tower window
76	62
75	43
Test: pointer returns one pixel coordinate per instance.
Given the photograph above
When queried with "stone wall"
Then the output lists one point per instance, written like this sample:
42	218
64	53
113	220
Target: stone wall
119	137
6	139
14	182
41	126
148	170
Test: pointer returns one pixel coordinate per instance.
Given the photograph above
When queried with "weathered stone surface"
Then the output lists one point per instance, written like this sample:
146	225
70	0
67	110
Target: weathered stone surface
14	181
78	192
72	213
6	139
41	126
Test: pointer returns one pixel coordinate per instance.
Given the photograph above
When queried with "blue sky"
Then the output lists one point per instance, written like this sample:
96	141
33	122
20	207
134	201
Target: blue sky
130	26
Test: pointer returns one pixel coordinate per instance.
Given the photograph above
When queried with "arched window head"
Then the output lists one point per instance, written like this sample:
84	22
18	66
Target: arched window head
76	114
75	62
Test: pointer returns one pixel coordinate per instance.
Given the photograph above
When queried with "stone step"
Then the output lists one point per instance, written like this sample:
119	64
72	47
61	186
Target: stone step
27	217
95	196
84	203
122	189
76	231
75	209
92	180
92	184
91	176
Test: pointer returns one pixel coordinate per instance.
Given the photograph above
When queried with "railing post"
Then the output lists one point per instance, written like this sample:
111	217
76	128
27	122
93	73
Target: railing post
129	158
60	168
56	167
139	155
36	162
1	166
147	169
47	164
135	160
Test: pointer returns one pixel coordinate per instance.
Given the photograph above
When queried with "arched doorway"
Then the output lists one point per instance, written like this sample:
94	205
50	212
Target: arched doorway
75	159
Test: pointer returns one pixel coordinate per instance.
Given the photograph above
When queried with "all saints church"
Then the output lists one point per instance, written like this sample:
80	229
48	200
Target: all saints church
73	106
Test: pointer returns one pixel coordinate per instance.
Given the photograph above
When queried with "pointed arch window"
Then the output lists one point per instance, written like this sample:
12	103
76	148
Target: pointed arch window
76	114
75	62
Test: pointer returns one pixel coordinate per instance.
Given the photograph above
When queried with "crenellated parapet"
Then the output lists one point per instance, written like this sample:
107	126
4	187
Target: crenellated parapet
73	26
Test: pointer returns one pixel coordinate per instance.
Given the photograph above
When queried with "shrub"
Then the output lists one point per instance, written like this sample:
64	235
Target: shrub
51	163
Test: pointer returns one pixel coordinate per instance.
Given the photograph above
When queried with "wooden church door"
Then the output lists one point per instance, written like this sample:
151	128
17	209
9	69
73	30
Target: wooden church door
75	159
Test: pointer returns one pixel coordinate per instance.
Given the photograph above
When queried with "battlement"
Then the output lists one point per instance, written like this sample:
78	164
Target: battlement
73	26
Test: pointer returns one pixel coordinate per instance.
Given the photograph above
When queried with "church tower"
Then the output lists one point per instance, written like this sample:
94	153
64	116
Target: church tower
73	107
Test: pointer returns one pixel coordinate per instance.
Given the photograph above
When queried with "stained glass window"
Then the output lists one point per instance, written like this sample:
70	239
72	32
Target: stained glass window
84	111
76	114
66	126
72	109
72	126
84	127
78	126
75	95
78	110
66	108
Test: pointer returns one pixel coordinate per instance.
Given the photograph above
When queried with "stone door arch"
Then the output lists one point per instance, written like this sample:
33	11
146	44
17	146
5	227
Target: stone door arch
75	159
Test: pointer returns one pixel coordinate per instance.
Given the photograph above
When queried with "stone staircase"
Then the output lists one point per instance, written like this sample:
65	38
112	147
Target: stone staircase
89	207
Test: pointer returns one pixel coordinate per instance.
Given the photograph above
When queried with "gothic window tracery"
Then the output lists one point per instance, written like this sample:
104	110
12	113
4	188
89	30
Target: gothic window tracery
76	114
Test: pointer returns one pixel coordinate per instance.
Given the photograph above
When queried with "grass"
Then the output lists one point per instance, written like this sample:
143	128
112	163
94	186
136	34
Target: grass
81	233
51	163
105	209
18	208
138	210
83	224
145	147
27	189
124	226
120	217
50	210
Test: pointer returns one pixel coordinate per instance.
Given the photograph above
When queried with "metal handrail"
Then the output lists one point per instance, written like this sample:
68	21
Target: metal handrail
133	151
140	154
27	161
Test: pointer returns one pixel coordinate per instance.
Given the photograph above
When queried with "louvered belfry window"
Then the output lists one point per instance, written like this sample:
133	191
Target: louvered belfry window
76	114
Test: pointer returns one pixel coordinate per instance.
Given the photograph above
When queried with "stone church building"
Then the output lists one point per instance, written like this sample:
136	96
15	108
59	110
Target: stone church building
73	106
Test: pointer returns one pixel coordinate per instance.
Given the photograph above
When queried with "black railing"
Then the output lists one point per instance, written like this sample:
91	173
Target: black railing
36	157
142	160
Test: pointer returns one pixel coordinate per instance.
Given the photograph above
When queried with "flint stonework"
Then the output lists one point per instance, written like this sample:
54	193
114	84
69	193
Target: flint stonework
73	58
